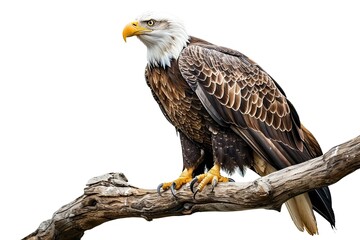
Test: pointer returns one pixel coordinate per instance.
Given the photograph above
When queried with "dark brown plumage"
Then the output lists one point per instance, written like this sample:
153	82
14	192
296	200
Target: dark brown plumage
230	113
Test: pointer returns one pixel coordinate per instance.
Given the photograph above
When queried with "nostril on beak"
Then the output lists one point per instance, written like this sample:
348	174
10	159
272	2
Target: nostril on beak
134	24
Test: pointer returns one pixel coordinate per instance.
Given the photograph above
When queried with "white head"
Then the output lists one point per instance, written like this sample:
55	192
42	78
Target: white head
163	36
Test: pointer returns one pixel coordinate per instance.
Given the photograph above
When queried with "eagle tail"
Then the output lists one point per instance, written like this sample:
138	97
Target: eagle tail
300	209
320	198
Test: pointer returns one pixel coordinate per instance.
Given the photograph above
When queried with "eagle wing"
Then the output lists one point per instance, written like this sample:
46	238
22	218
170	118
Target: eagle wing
239	94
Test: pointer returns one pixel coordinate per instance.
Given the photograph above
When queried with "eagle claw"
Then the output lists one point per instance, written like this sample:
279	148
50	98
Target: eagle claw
192	183
172	189
211	177
184	178
158	189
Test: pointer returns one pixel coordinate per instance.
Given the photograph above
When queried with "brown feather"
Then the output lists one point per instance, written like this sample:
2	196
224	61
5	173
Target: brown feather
250	80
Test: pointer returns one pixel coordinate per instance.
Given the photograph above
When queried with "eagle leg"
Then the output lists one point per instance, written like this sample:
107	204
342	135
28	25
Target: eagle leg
212	177
193	157
185	177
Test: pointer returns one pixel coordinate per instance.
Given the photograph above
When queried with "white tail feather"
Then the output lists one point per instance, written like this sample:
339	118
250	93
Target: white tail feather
300	207
301	212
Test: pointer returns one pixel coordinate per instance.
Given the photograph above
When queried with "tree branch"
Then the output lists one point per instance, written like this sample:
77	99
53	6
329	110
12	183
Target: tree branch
111	197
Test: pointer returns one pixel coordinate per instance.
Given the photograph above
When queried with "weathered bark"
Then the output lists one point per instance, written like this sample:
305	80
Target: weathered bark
110	197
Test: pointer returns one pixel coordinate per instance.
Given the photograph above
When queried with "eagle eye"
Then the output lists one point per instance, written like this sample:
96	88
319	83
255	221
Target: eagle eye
150	22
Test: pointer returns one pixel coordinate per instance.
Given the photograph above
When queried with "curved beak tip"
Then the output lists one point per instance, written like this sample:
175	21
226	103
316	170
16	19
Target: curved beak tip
133	29
129	30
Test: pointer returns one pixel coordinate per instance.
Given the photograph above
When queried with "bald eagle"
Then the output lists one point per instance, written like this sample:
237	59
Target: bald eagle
229	113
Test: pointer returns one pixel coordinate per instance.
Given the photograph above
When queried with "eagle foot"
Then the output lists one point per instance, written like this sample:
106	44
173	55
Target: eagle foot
211	177
184	178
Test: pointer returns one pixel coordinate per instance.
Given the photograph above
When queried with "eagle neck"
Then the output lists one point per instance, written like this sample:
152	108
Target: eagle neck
163	48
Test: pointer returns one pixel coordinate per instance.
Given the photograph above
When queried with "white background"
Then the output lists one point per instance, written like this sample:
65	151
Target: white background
74	105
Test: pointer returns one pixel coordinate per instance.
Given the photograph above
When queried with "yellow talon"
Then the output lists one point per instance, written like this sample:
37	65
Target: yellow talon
185	177
212	176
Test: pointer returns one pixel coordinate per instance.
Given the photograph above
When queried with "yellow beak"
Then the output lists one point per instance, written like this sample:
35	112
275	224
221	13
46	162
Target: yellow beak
133	29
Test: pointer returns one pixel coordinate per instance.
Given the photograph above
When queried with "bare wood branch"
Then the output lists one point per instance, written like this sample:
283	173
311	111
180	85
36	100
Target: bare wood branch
110	196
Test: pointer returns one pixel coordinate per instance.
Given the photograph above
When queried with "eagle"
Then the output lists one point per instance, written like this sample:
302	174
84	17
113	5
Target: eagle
229	112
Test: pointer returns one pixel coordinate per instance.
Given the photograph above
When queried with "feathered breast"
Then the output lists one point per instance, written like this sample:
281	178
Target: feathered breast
178	102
